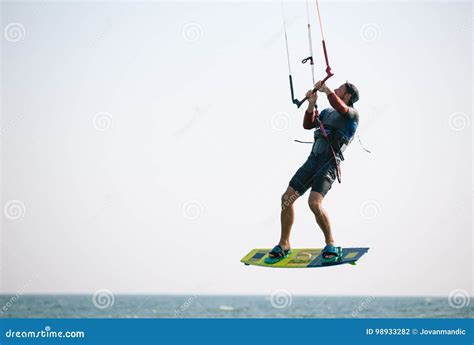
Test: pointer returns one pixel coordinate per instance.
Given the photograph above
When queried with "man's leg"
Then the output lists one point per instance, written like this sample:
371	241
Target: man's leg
287	216
315	204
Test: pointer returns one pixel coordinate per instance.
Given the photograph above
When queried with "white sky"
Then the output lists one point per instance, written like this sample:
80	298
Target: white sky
188	177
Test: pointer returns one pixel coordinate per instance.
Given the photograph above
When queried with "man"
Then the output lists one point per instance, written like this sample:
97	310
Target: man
321	168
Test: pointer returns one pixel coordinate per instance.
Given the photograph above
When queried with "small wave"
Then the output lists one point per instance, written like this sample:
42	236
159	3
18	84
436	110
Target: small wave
226	308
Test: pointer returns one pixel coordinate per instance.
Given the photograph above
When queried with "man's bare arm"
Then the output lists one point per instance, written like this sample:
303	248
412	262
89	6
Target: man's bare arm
310	113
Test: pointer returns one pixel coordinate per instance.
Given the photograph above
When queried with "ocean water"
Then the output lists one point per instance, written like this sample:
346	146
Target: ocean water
106	305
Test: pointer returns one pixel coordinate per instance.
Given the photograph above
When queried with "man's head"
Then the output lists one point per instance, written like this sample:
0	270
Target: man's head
348	93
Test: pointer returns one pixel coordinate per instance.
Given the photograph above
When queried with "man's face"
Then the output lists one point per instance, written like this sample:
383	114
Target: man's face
341	91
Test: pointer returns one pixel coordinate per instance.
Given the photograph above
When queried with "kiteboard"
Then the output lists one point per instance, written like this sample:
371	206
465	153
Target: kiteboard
303	258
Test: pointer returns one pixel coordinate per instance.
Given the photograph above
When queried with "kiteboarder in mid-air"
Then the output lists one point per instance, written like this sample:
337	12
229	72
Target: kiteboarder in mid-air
334	129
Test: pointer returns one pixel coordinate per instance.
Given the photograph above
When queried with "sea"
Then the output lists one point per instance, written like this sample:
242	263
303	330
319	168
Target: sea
104	304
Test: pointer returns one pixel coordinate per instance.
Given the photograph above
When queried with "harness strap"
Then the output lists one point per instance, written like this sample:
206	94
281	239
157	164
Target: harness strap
325	135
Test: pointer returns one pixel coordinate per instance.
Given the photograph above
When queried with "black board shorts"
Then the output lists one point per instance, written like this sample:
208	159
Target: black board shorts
318	172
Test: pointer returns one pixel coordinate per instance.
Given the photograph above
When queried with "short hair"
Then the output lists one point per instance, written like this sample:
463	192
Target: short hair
353	91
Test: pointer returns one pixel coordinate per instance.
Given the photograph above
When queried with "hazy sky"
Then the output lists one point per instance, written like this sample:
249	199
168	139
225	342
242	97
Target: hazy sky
145	146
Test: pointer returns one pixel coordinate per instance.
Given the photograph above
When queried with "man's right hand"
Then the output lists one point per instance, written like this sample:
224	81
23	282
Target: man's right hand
312	97
323	88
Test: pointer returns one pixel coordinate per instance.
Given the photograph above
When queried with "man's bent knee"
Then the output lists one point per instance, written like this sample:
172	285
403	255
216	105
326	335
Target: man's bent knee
315	203
289	197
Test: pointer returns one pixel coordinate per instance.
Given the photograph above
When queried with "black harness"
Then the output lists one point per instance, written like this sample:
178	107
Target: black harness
335	141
